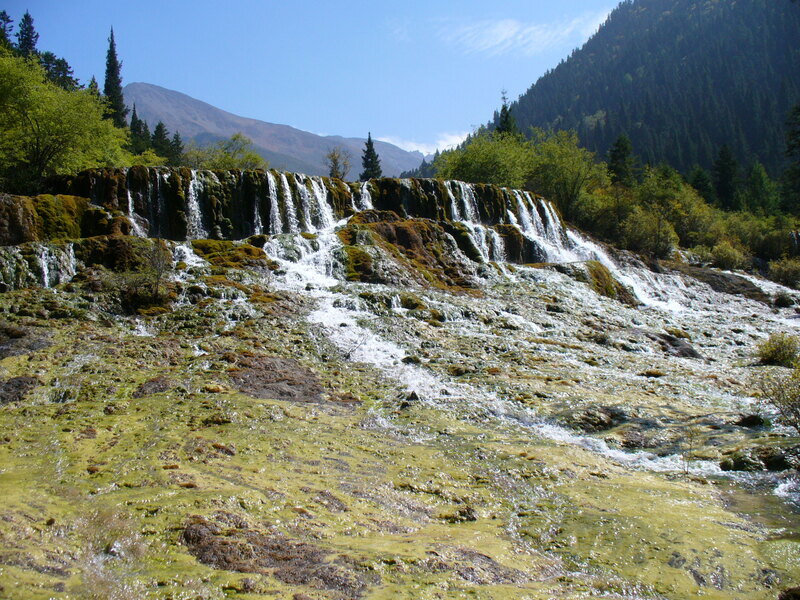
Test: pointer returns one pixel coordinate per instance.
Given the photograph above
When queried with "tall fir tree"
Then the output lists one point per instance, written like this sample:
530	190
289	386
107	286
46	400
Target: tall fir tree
700	180
791	177
5	29
506	123
726	176
93	87
160	142
759	193
27	38
58	71
176	150
370	161
140	134
621	162
112	89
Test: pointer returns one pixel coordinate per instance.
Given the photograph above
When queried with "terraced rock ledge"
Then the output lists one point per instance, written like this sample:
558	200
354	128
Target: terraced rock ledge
390	401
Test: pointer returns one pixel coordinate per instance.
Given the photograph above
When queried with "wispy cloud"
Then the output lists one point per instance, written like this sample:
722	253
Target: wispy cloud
495	37
443	142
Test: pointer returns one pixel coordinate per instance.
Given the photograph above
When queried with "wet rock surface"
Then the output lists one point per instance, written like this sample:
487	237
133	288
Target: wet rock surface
273	377
239	548
275	428
14	389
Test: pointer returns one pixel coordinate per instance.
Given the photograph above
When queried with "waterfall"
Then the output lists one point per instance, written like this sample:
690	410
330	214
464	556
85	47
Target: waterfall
136	229
258	226
365	198
498	247
275	225
194	218
469	201
326	217
305	202
454	209
291	213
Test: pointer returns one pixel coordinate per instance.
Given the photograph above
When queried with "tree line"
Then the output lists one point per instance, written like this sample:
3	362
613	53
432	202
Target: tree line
682	78
727	218
52	124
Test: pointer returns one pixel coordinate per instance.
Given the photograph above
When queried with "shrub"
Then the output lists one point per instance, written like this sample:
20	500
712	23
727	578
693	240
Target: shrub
726	256
780	349
701	255
785	271
648	231
783	393
783	300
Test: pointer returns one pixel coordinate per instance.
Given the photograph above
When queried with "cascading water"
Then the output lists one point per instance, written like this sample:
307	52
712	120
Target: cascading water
275	226
305	200
365	197
136	228
291	213
258	225
325	210
194	216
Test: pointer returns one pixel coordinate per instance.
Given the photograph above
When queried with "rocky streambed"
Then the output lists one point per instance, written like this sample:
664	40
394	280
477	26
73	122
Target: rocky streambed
287	419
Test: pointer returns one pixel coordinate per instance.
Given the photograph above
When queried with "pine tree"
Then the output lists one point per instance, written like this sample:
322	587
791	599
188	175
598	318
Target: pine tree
140	134
112	90
370	161
700	180
27	36
159	141
621	161
93	87
726	174
759	193
791	178
58	71
506	123
176	150
5	29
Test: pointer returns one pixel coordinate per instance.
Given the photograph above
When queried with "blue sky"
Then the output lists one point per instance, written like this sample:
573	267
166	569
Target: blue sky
418	73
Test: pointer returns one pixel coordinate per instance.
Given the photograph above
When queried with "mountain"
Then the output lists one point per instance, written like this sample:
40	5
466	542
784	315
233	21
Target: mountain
681	78
283	146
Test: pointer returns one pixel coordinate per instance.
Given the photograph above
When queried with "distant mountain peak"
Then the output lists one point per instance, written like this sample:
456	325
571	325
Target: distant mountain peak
285	147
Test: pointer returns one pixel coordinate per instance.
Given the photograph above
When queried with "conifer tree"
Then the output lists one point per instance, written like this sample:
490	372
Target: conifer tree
93	87
58	71
726	173
700	180
506	123
621	161
759	194
5	29
112	89
791	178
27	37
159	141
140	134
176	150
370	161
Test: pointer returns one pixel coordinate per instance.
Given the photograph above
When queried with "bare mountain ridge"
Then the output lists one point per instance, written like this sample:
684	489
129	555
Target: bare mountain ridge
283	146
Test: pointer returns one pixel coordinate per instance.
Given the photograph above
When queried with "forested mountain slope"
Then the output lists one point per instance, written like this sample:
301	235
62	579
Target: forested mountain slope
681	78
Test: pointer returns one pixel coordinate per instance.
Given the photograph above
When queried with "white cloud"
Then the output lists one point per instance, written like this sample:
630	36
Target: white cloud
443	142
506	36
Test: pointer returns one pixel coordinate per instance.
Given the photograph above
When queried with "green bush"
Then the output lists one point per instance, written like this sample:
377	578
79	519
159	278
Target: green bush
700	255
783	393
649	231
781	349
785	271
726	256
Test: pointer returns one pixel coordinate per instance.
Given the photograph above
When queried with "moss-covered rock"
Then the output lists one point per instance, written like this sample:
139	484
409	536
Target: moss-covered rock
228	254
421	246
